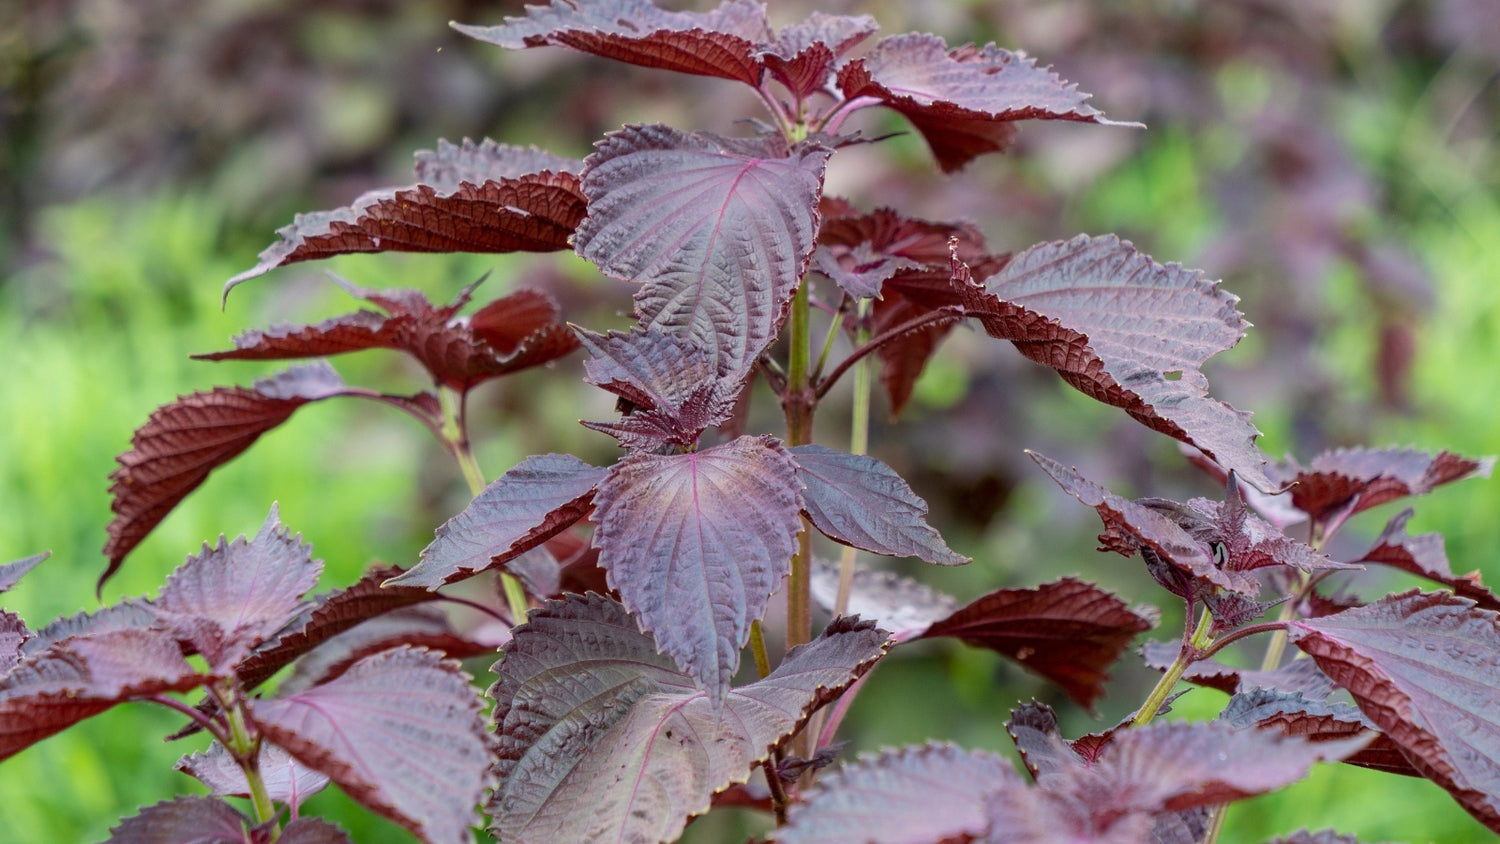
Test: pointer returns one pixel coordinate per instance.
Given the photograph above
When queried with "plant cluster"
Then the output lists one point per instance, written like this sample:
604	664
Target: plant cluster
626	594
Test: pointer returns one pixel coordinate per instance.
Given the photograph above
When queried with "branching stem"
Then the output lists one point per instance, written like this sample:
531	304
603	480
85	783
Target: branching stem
1190	653
245	748
455	435
930	318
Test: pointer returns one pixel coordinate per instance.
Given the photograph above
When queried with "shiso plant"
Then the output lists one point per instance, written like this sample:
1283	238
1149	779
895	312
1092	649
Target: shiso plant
627	594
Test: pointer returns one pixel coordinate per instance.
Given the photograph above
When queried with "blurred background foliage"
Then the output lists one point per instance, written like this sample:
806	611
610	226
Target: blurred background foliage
1334	161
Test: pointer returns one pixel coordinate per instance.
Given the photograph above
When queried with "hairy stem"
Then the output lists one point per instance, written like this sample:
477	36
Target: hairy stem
455	436
1189	654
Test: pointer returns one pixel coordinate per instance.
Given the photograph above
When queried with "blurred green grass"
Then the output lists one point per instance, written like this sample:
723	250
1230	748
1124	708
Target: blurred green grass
98	337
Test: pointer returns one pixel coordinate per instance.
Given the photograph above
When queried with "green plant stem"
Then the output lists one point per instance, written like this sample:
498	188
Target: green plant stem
833	333
758	648
246	750
1154	701
456	437
859	443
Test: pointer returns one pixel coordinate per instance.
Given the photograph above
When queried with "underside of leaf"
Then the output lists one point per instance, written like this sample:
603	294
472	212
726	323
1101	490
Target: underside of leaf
484	197
965	100
1357	479
719	43
182	442
512	333
1068	631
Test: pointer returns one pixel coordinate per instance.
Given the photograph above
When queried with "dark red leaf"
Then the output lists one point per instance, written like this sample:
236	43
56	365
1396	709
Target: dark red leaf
536	500
1130	527
1294	715
333	613
719	43
964	101
590	714
907	262
1126	331
1424	667
84	676
670	389
801	56
287	781
915	795
234	596
484	197
525	327
1068	631
859	501
1033	728
422	626
185	820
400	732
455	350
564	563
1240	542
1424	555
1145	773
11	573
182	442
719	231
1178	765
1358	479
887	235
696	544
898	604
312	831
